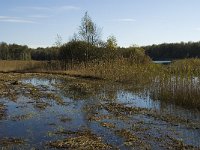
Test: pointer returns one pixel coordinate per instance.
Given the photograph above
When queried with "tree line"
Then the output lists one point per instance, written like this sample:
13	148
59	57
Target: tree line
23	52
173	51
75	50
14	52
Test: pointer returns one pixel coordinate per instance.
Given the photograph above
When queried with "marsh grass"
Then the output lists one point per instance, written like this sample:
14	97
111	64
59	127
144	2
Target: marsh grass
179	83
29	66
120	70
181	90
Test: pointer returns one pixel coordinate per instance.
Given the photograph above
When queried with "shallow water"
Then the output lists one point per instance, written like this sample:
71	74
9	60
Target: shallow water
144	100
38	126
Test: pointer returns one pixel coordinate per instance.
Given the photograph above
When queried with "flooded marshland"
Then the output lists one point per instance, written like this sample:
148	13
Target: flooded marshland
58	112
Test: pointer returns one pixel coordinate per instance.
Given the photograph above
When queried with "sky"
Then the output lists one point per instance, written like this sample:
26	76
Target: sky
36	23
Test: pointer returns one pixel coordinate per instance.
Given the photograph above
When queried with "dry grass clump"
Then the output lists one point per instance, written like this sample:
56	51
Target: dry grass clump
107	124
2	106
22	117
80	140
41	105
2	110
178	144
98	118
131	139
65	119
11	141
120	109
122	112
79	89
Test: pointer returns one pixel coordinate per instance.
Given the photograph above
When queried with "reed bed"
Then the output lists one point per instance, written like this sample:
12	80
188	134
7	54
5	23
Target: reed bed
180	90
179	83
186	67
118	70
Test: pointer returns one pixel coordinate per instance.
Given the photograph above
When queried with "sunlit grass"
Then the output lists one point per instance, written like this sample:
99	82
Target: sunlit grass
28	66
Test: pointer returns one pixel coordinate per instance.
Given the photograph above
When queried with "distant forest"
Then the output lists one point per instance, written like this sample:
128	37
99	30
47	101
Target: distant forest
164	51
76	51
173	51
23	52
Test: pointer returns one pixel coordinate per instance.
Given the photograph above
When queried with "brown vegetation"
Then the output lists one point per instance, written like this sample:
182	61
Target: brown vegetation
28	66
80	140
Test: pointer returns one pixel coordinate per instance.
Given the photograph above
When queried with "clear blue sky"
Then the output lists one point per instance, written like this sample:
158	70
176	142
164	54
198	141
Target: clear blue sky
142	22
